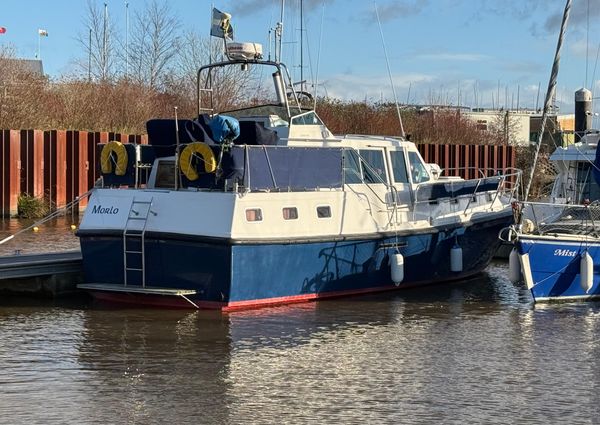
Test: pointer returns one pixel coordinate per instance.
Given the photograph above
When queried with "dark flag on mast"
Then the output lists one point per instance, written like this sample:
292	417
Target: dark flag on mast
221	25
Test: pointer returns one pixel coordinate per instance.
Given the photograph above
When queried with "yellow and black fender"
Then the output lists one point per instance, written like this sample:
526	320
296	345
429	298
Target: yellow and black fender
185	160
106	162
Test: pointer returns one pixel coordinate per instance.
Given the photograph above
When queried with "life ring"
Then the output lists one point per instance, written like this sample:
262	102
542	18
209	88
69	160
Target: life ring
185	160
106	163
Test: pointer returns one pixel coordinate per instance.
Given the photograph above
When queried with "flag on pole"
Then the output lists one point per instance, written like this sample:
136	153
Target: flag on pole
221	24
43	33
2	30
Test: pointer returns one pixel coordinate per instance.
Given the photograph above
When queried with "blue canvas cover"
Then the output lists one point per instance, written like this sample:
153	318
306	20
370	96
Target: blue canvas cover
224	128
293	168
273	168
434	191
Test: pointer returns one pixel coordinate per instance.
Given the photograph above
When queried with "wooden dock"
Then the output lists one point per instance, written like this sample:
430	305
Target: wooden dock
43	275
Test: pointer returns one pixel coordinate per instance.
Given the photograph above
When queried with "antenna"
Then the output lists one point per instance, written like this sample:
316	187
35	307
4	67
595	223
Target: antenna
104	43
301	47
279	33
319	56
176	150
402	134
126	40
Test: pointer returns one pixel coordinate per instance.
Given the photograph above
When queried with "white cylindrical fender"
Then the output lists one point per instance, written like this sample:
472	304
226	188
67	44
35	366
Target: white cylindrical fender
514	266
586	272
397	268
526	268
456	259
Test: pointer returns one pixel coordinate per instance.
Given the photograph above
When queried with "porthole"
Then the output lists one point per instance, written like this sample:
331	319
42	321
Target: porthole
324	211
254	214
290	213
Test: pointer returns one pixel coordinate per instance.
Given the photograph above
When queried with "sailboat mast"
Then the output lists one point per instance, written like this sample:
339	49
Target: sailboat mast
279	33
549	93
301	47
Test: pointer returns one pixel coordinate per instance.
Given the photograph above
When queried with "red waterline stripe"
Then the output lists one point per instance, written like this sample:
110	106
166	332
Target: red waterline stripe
248	304
178	302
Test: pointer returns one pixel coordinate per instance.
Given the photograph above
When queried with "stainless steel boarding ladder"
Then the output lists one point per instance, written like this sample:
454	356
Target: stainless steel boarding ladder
210	109
133	240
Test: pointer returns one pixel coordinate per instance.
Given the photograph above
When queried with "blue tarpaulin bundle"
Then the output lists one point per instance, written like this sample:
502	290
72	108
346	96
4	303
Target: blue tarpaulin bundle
224	127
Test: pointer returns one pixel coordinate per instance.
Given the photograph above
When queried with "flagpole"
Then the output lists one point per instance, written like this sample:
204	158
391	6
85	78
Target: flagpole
126	40
39	54
212	6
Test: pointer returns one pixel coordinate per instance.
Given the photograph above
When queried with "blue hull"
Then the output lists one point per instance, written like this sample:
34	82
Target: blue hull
229	276
555	266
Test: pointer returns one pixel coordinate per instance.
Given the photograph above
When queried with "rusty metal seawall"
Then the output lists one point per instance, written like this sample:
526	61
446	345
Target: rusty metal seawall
466	160
59	165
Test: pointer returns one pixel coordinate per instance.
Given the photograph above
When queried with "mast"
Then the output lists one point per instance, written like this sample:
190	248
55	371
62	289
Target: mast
279	33
301	49
549	93
387	62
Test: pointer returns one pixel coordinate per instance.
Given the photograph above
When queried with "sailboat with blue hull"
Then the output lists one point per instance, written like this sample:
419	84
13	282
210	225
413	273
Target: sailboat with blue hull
557	242
263	205
557	247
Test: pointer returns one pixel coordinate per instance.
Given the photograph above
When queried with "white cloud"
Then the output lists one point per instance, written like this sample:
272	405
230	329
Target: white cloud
460	57
353	87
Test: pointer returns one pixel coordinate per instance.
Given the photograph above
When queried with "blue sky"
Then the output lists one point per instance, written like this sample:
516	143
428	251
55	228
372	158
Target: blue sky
443	51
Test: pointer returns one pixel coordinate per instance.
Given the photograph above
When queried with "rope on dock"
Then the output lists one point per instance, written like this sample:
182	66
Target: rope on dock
49	216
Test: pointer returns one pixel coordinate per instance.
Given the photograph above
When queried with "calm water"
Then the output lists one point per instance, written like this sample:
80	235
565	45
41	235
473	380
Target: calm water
474	352
54	235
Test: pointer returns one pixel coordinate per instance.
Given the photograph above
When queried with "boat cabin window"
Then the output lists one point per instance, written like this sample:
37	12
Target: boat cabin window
254	214
351	167
165	175
309	118
324	211
290	213
399	166
374	171
586	184
418	172
369	168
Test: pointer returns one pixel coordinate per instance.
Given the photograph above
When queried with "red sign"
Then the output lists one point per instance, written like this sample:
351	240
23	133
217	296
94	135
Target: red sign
2	30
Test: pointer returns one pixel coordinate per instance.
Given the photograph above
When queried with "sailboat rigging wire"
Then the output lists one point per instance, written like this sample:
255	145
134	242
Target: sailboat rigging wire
594	79
319	56
549	94
387	62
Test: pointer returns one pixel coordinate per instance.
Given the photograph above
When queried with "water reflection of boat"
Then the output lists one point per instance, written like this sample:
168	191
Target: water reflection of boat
256	359
264	205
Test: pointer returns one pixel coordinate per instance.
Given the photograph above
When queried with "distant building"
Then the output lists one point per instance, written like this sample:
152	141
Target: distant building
559	129
523	127
515	124
33	66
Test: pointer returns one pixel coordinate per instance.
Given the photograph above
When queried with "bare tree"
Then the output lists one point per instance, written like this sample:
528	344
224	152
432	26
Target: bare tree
232	86
505	127
23	89
98	42
154	43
